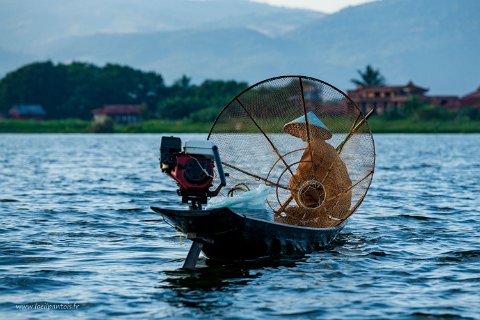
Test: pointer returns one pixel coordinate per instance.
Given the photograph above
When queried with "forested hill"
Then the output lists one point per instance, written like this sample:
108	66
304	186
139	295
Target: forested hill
74	90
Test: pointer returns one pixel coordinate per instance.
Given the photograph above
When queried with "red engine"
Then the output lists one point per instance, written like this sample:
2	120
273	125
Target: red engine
192	168
192	173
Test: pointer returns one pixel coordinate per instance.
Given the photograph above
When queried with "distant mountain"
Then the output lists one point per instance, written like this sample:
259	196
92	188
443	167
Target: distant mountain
25	24
225	53
435	43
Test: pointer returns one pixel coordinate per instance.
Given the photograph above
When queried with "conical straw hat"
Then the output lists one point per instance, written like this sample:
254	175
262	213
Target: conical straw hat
298	127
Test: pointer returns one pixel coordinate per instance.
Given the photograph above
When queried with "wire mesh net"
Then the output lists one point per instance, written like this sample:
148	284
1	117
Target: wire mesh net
306	140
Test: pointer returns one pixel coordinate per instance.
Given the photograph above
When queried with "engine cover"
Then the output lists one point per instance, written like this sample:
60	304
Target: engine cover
193	172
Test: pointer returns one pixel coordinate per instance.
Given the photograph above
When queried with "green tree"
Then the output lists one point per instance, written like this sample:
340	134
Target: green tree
468	113
184	82
84	91
36	83
412	106
369	78
199	103
125	85
74	90
180	107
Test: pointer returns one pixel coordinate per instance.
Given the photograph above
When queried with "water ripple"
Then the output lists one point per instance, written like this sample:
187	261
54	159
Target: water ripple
77	228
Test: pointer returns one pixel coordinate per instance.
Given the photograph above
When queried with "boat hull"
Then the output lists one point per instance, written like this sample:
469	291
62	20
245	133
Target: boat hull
225	234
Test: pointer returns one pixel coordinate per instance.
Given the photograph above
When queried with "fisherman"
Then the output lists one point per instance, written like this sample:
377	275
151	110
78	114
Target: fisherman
321	184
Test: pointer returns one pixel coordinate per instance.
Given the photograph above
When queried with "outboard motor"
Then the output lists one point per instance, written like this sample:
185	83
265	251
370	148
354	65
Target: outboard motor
192	167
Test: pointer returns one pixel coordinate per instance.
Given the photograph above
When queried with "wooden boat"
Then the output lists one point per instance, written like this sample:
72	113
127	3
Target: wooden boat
224	234
318	167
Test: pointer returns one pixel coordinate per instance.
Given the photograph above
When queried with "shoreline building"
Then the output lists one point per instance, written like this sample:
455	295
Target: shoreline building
381	98
119	113
471	99
27	111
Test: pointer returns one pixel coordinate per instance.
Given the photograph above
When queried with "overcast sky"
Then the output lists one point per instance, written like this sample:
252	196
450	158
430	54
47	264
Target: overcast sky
327	6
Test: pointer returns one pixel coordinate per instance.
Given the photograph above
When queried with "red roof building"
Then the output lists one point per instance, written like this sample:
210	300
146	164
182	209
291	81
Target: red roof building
383	97
120	113
27	111
471	99
443	101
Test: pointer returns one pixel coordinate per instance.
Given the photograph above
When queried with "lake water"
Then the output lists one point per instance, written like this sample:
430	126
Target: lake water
76	229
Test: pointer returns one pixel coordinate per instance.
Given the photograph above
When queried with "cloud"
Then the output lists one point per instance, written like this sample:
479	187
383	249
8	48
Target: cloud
323	6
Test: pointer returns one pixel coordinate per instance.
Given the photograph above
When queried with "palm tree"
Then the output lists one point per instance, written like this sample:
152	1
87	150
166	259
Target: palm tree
184	82
369	78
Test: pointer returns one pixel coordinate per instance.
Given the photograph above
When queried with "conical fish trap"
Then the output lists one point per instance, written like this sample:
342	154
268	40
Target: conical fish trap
304	138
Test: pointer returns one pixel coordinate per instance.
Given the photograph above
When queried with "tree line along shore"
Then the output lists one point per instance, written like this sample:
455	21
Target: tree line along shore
376	124
70	94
